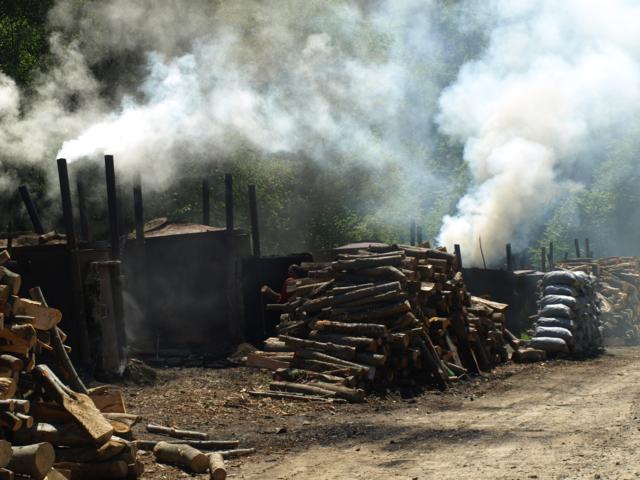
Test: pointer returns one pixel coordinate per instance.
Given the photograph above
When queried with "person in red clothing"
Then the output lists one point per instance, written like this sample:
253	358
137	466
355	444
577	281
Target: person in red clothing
294	273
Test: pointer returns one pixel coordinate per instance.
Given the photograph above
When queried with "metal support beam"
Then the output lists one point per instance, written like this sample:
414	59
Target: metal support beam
253	213
228	201
206	207
31	209
112	206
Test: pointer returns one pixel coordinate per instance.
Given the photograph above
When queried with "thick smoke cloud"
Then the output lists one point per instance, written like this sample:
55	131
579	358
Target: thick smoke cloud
330	81
555	78
346	85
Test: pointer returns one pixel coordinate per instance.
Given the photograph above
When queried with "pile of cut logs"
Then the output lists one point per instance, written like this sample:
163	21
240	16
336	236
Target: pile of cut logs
50	430
619	295
386	315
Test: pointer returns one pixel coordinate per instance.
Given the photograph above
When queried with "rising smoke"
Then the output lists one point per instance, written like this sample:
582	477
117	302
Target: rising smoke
347	85
556	79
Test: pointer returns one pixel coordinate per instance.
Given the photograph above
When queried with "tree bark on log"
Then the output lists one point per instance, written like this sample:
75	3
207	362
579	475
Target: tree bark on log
340	351
217	470
5	453
183	455
34	460
356	329
176	433
359	343
115	469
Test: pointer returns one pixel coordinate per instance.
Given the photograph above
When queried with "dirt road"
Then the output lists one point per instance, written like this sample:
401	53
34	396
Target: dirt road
569	421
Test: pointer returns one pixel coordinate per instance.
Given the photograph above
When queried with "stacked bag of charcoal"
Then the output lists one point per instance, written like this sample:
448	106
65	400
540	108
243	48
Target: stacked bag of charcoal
568	319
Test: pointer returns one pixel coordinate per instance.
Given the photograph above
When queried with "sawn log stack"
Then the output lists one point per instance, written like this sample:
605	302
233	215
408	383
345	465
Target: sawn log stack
386	315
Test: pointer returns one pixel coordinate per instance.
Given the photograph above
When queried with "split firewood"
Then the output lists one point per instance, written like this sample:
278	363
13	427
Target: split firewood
5	453
79	405
217	470
34	460
44	318
12	363
116	469
55	474
69	435
176	433
7	474
182	455
11	279
108	451
107	399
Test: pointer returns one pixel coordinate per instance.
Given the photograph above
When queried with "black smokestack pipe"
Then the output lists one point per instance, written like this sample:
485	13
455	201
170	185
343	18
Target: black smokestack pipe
112	205
253	212
67	208
508	256
412	233
228	200
206	207
458	253
551	255
577	245
543	259
79	323
587	249
419	235
31	209
138	211
85	232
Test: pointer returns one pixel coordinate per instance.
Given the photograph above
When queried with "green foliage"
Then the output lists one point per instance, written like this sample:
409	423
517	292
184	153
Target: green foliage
23	38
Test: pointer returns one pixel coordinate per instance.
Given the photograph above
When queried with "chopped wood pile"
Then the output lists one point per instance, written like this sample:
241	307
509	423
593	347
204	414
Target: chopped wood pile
386	315
53	427
50	430
619	294
568	319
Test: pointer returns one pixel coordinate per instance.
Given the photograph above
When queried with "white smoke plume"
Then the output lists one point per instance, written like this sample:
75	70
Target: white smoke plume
325	80
555	77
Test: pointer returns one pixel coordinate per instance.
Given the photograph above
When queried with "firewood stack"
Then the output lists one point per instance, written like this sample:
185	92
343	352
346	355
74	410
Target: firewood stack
569	316
49	430
619	295
377	317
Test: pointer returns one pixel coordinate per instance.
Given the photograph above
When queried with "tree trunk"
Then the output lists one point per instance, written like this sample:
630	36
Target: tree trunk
183	455
35	460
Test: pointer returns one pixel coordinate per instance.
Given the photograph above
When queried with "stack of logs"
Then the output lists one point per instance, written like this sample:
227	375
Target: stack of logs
619	295
387	315
50	430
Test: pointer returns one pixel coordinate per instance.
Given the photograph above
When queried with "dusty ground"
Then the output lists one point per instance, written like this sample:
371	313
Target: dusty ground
559	420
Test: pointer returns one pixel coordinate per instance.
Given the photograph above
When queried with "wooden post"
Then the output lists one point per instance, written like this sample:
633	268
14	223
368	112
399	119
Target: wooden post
206	207
138	211
77	292
587	249
31	209
85	231
543	259
112	206
228	201
551	255
253	212
412	233
458	253
419	235
509	257
577	245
